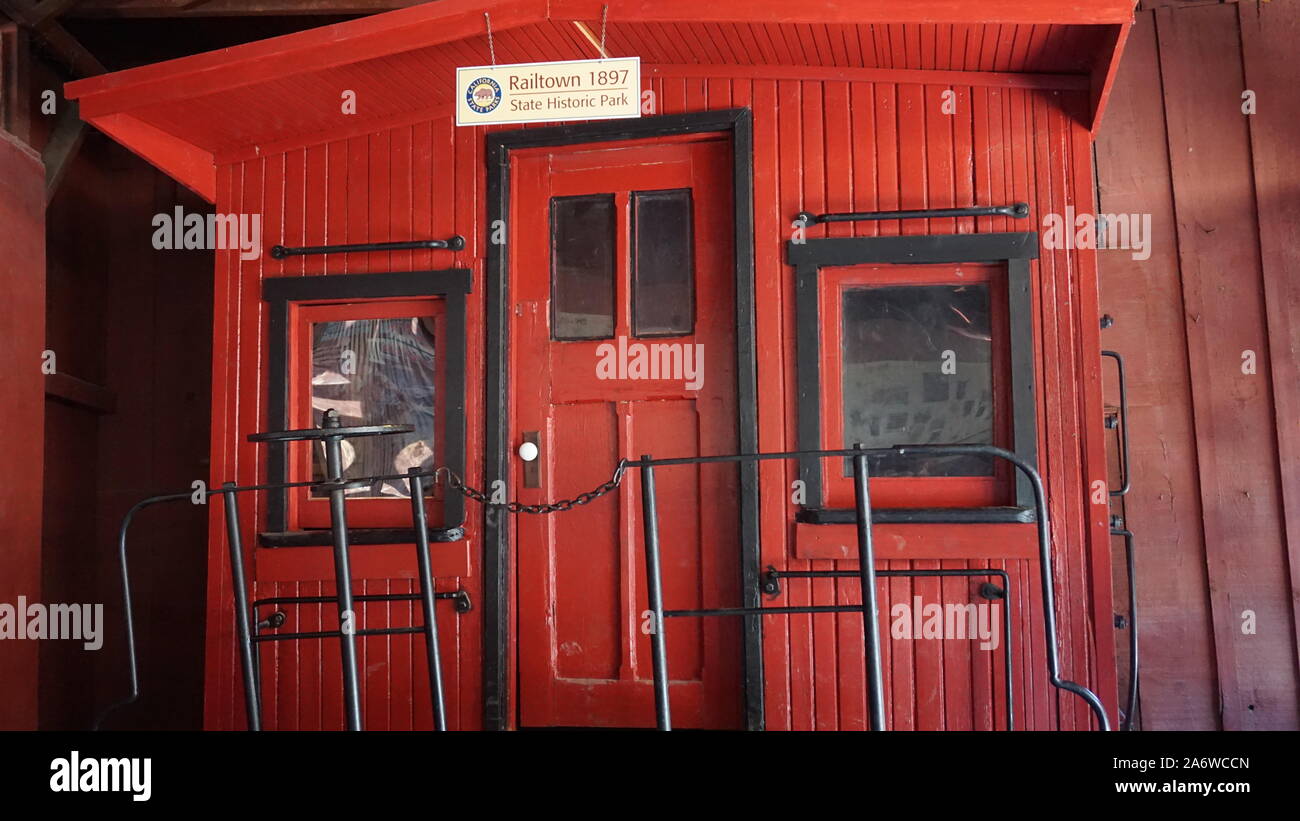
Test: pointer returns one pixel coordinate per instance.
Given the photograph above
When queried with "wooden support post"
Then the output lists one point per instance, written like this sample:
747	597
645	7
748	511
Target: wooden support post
62	147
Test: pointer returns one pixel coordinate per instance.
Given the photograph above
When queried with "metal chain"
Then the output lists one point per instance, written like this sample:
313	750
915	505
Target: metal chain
458	484
604	13
491	47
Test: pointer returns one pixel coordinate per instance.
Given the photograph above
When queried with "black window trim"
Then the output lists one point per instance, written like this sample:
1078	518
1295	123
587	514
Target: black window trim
1015	250
453	285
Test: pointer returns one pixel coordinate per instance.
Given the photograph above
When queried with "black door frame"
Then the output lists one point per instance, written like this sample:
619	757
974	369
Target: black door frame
497	595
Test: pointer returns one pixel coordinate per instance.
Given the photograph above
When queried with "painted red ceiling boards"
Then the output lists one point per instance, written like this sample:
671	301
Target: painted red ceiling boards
190	115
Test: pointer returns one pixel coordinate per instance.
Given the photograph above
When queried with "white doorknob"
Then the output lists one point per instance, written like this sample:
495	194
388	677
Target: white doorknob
528	451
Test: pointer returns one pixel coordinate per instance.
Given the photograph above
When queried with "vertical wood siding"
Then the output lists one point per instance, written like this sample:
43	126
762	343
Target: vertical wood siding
820	146
1216	487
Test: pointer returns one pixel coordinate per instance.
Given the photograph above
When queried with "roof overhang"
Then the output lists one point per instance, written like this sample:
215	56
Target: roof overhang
189	115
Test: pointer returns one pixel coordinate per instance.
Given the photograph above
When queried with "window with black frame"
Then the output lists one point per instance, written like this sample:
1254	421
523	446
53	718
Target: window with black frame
378	349
903	353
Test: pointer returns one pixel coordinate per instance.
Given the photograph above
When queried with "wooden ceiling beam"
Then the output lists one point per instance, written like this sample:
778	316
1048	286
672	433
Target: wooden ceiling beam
74	56
47	11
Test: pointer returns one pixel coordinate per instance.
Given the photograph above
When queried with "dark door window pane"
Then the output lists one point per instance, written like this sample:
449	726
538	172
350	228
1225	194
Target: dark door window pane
375	372
663	288
582	267
901	387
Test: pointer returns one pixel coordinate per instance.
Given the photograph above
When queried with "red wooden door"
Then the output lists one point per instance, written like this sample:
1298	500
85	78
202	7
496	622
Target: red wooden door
618	250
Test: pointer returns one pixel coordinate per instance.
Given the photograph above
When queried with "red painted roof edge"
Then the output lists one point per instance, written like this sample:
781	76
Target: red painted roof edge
448	20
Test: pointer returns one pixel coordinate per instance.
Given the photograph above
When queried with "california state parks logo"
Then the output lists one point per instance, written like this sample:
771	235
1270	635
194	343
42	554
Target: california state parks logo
483	95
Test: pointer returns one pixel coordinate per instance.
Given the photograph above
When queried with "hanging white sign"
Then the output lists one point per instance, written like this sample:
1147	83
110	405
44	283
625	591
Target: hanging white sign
547	92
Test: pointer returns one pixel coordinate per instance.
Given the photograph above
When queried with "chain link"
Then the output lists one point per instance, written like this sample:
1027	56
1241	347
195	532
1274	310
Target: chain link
445	474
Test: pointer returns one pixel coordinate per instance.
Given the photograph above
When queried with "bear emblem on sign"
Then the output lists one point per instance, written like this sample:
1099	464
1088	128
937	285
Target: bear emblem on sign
483	95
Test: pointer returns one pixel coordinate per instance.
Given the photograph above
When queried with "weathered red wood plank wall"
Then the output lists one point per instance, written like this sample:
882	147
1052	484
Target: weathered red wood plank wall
819	145
22	322
1216	451
128	320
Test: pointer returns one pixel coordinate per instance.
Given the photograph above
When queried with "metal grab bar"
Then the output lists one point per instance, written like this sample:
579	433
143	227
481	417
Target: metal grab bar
126	600
1131	708
456	243
1019	210
650	523
1123	424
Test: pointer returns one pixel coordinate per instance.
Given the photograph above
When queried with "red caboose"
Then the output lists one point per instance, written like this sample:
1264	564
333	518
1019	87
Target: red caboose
822	229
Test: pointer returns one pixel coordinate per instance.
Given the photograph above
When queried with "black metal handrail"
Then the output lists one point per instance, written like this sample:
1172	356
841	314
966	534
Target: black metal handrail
1122	421
1018	210
772	574
866	574
1133	678
456	243
331	434
866	568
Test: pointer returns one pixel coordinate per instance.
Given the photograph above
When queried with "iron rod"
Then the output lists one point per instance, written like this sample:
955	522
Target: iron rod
1132	628
252	687
870	608
333	634
1019	210
427	601
376	597
343	579
1049	595
766	611
456	243
127	608
658	648
1123	425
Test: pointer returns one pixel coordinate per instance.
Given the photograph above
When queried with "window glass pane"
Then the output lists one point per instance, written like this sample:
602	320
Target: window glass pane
375	372
901	388
582	267
663	290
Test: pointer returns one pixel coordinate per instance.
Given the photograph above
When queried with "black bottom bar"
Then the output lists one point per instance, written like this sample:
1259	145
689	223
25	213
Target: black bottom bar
334	634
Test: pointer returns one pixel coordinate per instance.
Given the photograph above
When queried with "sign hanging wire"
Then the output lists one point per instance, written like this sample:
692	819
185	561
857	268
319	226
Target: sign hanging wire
604	15
491	47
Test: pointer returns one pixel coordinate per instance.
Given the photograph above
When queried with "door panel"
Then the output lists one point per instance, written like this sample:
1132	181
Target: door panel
583	655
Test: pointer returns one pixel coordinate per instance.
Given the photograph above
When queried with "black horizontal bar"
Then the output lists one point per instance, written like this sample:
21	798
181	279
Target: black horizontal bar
358	535
762	611
896	450
853	574
456	243
333	634
919	515
826	574
1019	210
331	599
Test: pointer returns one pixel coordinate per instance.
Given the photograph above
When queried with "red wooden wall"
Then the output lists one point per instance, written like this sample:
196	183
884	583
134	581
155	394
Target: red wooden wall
22	324
825	139
1216	451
